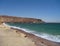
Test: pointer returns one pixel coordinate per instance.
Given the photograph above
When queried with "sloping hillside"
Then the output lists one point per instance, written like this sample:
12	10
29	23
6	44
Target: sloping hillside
19	19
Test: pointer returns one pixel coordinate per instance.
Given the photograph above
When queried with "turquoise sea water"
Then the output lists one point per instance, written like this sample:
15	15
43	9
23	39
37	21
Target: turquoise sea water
50	31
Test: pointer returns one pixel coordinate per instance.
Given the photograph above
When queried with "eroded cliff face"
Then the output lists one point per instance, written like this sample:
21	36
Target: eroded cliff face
19	19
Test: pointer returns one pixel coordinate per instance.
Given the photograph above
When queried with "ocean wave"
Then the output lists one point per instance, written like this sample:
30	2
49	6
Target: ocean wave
55	38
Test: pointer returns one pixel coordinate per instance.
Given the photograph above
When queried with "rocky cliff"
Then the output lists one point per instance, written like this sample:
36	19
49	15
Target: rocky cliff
19	19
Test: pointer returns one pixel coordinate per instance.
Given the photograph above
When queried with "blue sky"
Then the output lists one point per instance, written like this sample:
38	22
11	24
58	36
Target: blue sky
47	10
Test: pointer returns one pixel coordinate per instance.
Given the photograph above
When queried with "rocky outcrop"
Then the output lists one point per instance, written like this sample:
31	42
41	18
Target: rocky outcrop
19	19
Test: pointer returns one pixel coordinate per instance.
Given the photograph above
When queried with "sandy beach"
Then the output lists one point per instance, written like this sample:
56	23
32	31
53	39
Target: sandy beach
9	37
15	37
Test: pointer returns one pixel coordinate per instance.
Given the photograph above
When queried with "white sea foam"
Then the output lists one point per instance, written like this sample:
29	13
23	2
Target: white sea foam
55	38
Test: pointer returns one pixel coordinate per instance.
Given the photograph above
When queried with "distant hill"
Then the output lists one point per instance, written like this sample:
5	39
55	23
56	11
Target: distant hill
5	18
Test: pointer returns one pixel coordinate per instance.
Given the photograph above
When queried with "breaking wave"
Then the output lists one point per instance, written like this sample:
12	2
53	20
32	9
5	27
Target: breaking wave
55	38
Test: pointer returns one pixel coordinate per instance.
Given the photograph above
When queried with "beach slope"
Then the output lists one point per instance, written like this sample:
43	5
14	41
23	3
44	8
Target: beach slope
15	37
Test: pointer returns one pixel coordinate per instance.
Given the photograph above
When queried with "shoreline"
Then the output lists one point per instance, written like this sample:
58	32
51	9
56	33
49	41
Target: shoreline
50	37
32	39
37	39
